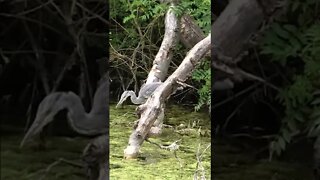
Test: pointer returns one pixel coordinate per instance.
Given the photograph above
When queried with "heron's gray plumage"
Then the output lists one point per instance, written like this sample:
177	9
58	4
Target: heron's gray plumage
145	92
92	123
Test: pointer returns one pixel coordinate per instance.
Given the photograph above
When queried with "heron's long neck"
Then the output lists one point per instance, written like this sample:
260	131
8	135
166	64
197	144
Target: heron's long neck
133	97
92	123
100	100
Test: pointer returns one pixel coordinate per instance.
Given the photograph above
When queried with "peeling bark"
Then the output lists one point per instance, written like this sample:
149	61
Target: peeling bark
190	32
161	64
162	60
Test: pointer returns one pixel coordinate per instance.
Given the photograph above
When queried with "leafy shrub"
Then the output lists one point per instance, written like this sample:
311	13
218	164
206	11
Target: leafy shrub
294	42
138	33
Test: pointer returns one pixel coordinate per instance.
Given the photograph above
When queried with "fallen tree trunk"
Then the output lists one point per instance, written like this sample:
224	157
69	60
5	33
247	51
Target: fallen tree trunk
238	23
231	34
163	58
153	107
236	30
190	34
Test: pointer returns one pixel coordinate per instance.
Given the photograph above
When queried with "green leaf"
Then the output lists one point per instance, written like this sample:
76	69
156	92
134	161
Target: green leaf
295	6
314	131
277	148
280	31
282	143
315	114
316	101
128	18
292	126
299	117
291	28
286	135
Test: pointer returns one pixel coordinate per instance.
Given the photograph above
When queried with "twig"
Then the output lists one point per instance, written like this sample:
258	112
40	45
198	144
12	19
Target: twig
37	22
199	163
46	170
172	147
70	62
34	9
39	59
30	105
232	114
60	160
235	96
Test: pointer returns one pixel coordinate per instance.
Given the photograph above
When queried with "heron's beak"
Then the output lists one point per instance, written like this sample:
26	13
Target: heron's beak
122	99
119	103
36	127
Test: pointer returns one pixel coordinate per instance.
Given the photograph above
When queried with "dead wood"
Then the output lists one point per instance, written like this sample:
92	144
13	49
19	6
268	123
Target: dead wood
153	107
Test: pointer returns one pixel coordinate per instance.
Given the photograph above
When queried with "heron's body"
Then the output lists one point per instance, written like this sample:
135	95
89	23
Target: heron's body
145	92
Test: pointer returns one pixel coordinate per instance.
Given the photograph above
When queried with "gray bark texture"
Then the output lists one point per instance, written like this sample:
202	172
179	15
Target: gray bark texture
232	33
154	105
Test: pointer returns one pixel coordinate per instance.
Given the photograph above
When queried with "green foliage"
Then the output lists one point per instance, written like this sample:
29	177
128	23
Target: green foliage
202	75
137	34
143	10
200	10
295	43
134	37
314	126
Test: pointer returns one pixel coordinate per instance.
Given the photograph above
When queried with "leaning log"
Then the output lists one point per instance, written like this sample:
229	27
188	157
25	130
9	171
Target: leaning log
233	32
163	58
154	105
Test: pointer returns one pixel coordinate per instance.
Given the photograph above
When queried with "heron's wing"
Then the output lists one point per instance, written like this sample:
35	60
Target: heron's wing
147	89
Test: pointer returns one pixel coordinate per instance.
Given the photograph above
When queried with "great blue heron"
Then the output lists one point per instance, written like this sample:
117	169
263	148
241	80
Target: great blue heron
145	92
92	123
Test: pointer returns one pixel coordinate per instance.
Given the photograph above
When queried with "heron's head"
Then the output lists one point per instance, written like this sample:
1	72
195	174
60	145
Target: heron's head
47	109
124	96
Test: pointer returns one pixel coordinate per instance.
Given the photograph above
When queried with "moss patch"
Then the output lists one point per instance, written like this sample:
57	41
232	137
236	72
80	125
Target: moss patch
156	163
31	163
